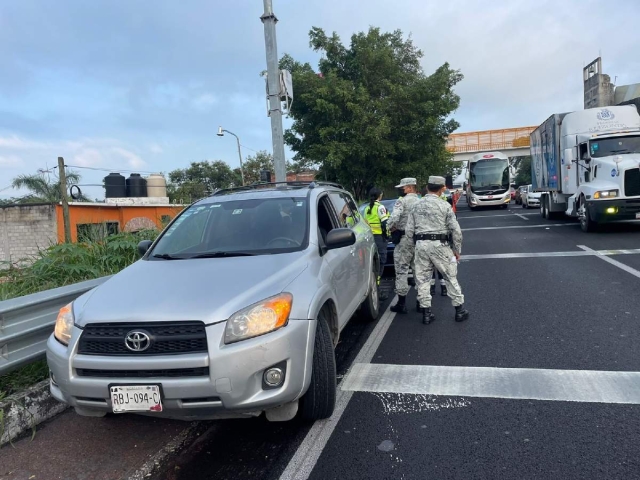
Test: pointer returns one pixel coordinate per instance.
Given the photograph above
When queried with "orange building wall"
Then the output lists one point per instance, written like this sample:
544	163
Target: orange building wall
100	213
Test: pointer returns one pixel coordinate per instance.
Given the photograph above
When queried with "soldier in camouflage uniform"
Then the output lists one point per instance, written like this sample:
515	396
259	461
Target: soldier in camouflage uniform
403	253
431	224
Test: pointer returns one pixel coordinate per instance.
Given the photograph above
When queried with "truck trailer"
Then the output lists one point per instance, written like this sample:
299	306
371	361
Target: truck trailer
586	164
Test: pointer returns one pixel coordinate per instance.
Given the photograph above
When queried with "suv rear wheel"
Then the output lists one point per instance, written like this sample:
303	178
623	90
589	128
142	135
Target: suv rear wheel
320	400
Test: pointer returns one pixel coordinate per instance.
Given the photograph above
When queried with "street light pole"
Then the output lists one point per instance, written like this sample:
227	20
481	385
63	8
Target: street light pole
221	134
273	90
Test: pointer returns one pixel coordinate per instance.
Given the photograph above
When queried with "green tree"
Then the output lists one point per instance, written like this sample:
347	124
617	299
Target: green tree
262	160
371	115
200	179
523	170
253	164
42	190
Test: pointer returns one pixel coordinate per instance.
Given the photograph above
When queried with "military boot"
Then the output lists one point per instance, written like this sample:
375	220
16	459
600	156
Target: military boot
433	289
400	306
427	316
443	290
461	314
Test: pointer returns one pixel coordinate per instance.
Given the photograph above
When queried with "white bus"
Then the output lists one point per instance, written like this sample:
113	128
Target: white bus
488	180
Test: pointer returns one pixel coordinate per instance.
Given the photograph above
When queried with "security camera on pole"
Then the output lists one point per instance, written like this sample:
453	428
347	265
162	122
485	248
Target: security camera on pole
278	86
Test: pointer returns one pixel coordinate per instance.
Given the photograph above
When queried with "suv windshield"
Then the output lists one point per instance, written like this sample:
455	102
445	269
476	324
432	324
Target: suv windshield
615	146
236	228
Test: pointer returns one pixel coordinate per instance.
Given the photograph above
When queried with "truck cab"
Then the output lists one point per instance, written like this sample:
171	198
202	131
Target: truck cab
597	177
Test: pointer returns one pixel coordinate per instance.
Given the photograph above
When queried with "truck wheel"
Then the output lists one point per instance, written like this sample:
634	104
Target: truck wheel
544	208
586	224
320	400
371	305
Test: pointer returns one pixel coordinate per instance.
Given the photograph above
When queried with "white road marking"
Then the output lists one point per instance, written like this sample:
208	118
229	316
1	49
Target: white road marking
603	255
544	225
576	253
486	382
521	216
305	458
494	216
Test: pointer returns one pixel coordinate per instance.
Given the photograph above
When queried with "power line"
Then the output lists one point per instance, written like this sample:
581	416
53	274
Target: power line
109	169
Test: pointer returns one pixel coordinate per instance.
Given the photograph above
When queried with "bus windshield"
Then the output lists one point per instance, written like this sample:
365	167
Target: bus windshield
489	174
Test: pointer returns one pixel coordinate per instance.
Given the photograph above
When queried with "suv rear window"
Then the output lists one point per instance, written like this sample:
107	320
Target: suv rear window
251	226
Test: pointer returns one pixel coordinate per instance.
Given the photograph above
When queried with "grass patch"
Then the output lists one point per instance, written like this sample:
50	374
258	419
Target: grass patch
22	378
68	263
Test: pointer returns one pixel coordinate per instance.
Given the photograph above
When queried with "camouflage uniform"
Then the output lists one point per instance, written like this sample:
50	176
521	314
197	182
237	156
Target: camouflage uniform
433	216
403	253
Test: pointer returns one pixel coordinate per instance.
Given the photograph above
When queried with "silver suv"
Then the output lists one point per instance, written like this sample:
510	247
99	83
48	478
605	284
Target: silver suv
234	310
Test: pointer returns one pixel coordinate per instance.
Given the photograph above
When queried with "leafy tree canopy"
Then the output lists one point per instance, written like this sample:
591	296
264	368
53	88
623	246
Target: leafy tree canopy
201	179
523	170
371	116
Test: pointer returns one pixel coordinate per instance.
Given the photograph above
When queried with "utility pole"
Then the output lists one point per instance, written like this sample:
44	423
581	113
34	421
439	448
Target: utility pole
273	88
65	203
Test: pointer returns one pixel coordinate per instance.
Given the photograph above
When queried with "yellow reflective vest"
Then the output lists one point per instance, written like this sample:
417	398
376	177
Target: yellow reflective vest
373	219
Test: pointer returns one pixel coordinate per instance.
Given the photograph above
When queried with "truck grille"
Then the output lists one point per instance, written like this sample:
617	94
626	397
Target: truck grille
632	182
166	338
167	373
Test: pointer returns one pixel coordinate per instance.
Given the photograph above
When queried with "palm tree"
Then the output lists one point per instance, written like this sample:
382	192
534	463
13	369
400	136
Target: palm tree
42	190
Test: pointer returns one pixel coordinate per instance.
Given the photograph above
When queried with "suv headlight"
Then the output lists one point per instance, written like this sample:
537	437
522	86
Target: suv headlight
263	317
606	194
64	324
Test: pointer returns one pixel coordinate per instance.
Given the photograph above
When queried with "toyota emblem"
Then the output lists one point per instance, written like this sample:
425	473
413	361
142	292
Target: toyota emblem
137	341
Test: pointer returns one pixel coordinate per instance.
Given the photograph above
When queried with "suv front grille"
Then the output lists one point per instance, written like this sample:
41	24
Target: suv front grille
166	338
632	182
167	373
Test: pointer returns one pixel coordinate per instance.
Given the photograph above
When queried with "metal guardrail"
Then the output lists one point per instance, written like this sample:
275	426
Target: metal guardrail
26	322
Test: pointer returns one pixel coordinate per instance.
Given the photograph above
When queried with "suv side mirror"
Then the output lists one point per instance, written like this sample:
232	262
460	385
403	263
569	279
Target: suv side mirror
339	238
143	246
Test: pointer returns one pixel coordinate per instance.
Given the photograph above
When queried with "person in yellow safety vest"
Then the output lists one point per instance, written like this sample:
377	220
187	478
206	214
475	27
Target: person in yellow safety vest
376	217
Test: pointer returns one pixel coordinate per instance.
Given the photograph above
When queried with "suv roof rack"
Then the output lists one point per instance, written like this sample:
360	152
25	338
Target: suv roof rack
277	185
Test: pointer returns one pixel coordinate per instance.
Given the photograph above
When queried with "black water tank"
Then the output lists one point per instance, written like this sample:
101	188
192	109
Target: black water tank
115	186
136	186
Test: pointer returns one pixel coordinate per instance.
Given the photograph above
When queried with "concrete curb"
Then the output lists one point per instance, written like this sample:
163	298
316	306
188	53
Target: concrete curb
158	462
25	410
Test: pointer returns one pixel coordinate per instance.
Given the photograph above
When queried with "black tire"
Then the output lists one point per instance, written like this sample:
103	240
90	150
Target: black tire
371	305
586	224
320	400
544	207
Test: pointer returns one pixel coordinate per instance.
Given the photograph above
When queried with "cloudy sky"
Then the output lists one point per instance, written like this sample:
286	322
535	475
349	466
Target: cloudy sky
142	85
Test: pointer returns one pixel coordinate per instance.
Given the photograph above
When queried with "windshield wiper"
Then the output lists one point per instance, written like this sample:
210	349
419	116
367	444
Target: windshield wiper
223	254
167	256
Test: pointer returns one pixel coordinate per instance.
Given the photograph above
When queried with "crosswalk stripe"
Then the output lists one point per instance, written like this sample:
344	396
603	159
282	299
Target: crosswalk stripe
487	382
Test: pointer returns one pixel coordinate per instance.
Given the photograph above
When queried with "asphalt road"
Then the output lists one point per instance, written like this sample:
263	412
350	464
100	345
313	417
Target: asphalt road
539	383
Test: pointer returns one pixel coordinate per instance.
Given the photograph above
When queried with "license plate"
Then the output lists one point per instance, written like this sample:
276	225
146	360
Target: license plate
136	398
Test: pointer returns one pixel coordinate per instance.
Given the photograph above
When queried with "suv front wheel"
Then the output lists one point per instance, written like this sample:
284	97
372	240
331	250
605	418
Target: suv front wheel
320	400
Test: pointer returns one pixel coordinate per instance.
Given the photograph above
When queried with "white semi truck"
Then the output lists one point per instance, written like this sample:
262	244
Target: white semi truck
488	180
586	164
